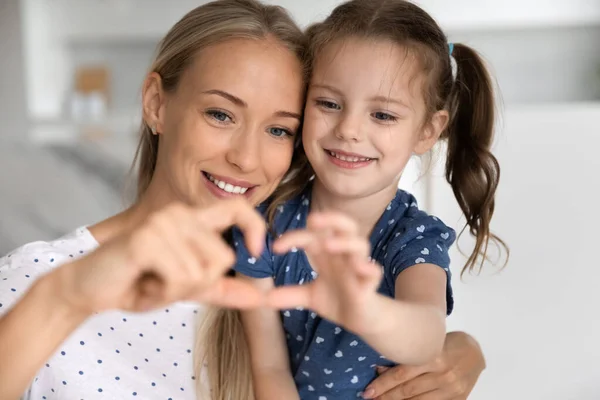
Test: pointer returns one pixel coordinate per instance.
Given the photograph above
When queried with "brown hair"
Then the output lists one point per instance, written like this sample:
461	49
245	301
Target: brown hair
221	345
471	169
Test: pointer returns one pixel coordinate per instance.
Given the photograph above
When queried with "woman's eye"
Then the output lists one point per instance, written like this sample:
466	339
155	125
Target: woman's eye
381	116
328	104
220	116
280	132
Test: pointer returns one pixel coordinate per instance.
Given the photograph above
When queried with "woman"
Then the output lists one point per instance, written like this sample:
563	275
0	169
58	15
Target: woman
208	137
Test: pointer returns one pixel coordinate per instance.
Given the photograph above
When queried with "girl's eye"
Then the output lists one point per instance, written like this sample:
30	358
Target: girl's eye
280	132
328	104
219	116
381	116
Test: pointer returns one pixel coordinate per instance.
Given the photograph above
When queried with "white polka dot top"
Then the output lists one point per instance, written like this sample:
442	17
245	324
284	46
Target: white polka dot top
114	355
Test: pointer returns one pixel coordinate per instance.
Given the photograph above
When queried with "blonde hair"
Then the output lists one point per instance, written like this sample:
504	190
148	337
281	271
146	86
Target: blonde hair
221	344
206	25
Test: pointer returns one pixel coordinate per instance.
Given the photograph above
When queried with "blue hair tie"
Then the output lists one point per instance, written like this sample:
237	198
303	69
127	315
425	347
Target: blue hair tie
450	48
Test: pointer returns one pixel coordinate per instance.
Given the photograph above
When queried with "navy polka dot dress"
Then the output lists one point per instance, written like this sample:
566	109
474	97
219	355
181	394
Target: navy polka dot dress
328	362
113	355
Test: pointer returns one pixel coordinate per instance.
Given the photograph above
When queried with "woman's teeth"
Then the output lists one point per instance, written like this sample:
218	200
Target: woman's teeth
348	158
228	187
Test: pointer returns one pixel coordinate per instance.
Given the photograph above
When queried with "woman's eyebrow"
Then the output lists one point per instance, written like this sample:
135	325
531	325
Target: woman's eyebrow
239	102
234	99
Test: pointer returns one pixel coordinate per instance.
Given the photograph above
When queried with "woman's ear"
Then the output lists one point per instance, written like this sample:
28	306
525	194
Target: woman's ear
153	102
431	132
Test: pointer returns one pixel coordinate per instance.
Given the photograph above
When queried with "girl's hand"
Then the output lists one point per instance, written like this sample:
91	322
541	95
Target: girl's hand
178	254
347	281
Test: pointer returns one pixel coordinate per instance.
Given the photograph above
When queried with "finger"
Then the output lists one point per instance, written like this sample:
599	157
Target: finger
434	395
392	378
175	229
303	239
419	386
353	245
338	222
290	297
150	285
149	296
215	255
231	293
151	255
368	271
239	212
381	369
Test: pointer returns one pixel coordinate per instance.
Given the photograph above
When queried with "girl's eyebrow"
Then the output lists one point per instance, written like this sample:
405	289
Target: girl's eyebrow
385	99
327	87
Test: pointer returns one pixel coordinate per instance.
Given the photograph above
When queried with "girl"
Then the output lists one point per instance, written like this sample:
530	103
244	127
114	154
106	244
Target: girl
382	89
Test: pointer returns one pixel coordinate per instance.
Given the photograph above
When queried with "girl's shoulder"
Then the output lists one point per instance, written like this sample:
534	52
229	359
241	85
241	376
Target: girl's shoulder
404	210
406	229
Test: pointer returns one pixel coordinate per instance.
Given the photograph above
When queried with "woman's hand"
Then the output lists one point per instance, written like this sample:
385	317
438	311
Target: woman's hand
450	377
347	281
178	254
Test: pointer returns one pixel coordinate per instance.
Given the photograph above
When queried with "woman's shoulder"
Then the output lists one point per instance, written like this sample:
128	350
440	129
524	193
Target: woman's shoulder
50	253
22	266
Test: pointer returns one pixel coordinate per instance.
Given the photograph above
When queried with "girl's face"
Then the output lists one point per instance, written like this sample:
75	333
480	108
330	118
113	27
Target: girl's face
228	128
364	116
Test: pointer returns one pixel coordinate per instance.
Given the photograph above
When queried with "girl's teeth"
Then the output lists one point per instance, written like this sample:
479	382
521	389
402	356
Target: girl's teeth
349	158
228	187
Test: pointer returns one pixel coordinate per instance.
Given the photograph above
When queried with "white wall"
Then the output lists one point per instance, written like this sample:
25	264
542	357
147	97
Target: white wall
499	15
13	108
532	319
52	27
537	319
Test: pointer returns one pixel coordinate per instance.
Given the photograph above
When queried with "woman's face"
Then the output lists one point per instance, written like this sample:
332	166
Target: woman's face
228	130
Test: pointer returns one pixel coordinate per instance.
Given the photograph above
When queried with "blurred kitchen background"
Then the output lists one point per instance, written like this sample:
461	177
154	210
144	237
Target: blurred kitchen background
70	78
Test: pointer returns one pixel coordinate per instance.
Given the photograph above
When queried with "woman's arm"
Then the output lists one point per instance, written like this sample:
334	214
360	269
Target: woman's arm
410	329
272	377
31	331
452	375
137	271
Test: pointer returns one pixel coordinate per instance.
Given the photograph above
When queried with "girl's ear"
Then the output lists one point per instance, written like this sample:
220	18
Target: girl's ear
431	132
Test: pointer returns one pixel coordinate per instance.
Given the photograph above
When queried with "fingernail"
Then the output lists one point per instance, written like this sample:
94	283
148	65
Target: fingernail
381	369
368	393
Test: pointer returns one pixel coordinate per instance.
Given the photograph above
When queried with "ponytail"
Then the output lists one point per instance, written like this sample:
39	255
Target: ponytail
471	169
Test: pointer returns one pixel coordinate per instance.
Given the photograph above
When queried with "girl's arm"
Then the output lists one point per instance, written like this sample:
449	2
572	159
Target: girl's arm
271	374
407	329
411	328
